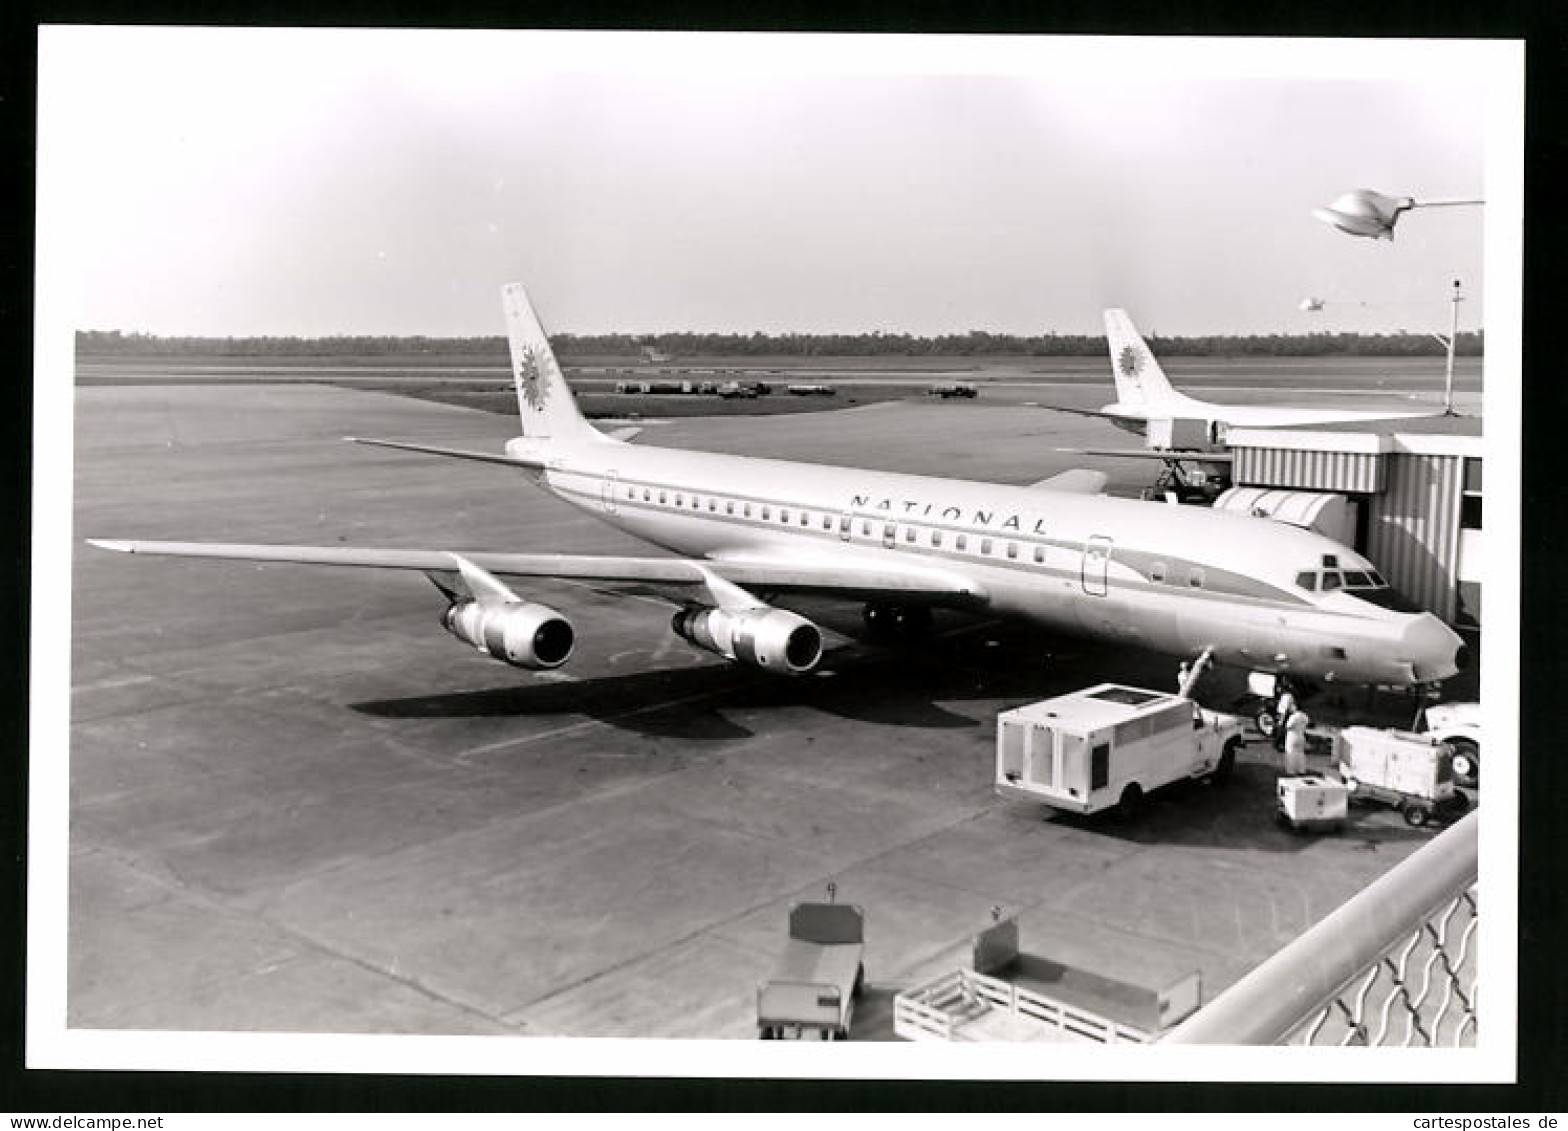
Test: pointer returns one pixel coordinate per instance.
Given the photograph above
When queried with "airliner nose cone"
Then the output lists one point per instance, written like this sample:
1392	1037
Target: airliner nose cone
1434	650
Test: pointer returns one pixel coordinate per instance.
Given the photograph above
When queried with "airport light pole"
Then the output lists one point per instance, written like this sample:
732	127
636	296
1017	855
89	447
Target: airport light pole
1373	215
1313	305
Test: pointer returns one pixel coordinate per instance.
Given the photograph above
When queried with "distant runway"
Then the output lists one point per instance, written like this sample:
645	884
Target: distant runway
297	805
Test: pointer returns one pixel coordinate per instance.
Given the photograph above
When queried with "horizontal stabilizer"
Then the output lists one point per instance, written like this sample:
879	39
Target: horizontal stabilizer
1079	481
450	453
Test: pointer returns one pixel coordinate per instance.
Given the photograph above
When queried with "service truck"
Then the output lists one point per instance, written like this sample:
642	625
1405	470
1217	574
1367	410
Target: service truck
820	975
1108	746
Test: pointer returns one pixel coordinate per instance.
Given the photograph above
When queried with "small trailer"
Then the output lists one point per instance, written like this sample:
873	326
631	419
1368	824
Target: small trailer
1008	995
1414	773
1311	802
1108	745
819	976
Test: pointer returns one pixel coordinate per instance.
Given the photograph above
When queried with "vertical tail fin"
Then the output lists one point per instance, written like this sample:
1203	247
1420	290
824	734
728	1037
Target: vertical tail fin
544	400
1139	378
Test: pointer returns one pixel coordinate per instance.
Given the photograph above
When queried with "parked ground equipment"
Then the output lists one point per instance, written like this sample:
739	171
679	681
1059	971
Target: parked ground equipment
1008	995
1108	746
1414	773
819	976
1311	802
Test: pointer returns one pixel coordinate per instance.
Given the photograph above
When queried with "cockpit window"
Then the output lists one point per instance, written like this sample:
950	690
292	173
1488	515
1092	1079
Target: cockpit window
1331	579
1355	579
1377	579
1307	580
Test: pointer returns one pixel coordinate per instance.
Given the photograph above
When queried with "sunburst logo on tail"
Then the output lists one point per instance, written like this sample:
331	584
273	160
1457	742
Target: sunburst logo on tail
535	392
1129	361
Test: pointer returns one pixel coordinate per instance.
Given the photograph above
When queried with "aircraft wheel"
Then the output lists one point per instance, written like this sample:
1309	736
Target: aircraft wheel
1467	762
1416	814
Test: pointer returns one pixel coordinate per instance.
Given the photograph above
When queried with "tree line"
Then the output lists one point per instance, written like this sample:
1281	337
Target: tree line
976	343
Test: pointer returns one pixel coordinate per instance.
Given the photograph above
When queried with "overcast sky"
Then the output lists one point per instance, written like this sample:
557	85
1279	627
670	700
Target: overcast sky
317	182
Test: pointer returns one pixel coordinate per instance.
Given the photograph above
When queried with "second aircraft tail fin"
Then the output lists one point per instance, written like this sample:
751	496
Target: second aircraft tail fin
544	400
1139	378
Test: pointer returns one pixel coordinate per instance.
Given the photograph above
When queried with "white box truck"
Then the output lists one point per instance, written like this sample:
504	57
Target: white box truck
1109	745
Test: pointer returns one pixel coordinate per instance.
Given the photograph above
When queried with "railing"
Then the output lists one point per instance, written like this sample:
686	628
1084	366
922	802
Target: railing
1394	965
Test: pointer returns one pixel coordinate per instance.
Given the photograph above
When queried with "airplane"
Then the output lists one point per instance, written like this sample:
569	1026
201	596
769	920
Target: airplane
747	532
1144	395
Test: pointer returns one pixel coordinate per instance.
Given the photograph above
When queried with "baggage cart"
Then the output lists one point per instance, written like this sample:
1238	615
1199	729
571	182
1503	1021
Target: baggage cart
1311	802
1008	995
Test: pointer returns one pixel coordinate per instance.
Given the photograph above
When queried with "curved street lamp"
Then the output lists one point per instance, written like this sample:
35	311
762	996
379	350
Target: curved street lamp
1312	305
1373	214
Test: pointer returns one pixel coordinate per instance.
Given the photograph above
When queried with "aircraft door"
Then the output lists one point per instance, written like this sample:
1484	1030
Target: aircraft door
889	530
1096	564
845	521
607	491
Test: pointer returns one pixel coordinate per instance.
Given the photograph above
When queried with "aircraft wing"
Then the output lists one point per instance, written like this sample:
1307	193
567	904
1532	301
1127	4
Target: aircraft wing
682	576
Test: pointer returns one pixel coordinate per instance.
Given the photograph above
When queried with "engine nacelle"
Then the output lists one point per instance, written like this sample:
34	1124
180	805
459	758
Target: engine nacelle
764	638
519	633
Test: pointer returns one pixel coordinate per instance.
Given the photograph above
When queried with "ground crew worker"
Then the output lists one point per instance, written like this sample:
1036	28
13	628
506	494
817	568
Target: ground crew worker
1295	729
1284	706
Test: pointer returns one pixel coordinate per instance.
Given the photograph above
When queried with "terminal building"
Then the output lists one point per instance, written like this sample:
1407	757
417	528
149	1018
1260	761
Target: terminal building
1406	493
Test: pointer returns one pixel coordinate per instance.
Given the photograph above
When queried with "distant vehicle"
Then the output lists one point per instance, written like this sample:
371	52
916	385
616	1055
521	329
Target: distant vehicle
1459	725
732	389
813	390
956	389
1107	746
654	356
632	386
1414	773
1146	401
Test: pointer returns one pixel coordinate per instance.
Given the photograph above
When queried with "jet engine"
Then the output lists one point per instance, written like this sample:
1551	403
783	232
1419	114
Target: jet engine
519	633
762	637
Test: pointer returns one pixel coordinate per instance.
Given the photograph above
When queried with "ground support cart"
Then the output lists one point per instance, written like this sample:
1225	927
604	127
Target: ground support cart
1009	996
1414	773
819	976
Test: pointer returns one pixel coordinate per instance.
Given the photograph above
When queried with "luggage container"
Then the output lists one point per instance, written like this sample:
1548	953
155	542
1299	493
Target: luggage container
1312	802
1108	745
1414	773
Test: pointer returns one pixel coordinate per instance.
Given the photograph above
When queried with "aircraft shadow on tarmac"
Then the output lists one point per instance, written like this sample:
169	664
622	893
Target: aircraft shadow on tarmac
891	686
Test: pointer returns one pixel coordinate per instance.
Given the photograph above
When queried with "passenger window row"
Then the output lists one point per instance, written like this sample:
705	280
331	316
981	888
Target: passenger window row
786	516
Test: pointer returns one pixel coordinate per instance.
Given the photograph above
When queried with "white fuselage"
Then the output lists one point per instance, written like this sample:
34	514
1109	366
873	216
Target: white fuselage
1174	579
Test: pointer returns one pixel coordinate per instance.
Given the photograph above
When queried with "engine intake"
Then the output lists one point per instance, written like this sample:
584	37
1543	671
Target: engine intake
519	633
771	639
